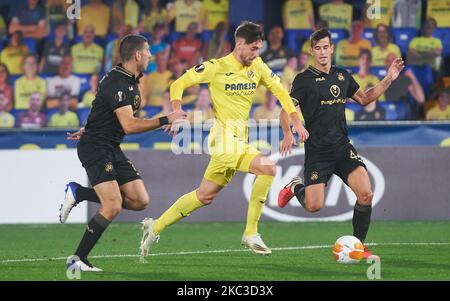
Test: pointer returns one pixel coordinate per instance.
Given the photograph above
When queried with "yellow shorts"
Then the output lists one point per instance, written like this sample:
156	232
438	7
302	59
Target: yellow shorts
227	158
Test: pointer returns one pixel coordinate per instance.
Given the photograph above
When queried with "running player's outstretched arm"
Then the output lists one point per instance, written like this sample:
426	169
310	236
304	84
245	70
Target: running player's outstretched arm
372	94
272	82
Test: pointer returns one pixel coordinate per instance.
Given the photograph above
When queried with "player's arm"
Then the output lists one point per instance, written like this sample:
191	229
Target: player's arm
272	82
372	94
131	124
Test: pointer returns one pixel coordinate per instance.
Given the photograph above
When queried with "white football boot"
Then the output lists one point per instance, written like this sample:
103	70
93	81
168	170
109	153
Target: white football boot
69	201
83	265
256	244
148	237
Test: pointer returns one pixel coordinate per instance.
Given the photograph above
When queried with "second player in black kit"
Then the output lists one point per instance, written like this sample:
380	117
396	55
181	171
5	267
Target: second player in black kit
321	91
322	99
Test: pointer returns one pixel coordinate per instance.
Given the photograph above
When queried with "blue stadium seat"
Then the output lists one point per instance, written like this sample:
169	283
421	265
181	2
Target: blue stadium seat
13	78
296	37
369	34
84	83
353	106
152	110
352	70
424	75
31	44
16	113
338	35
390	110
174	35
444	35
378	71
50	112
83	114
403	36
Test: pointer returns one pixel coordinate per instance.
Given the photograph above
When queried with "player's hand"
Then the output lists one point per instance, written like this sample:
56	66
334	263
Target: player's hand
176	119
286	145
303	134
395	68
75	136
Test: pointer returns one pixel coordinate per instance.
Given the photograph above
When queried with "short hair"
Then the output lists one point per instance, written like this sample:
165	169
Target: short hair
249	31
319	35
367	52
129	45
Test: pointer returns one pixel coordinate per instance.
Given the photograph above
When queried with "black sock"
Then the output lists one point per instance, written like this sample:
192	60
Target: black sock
86	194
89	194
361	221
94	231
299	191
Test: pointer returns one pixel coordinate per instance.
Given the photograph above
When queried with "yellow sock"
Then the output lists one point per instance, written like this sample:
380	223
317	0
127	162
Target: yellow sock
180	209
258	197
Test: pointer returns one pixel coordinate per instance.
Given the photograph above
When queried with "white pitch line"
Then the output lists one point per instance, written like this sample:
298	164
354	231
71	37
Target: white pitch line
228	251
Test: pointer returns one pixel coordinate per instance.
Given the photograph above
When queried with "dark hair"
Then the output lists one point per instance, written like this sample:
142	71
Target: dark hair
388	31
367	52
319	35
249	31
7	72
129	45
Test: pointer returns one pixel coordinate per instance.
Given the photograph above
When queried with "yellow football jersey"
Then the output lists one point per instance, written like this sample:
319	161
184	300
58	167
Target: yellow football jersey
232	88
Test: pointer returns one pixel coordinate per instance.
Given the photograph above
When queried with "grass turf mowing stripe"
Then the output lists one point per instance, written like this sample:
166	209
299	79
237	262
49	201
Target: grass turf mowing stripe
227	251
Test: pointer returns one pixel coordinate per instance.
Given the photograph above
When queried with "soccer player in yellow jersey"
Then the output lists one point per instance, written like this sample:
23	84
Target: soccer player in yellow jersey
232	81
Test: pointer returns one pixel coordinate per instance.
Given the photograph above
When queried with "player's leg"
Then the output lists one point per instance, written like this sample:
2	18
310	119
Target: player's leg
358	180
183	207
314	197
111	200
135	195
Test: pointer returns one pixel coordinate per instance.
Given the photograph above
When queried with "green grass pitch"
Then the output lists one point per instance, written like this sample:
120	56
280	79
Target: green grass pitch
212	251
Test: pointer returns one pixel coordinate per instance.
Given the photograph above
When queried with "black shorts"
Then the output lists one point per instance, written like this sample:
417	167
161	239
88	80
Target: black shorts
322	163
105	162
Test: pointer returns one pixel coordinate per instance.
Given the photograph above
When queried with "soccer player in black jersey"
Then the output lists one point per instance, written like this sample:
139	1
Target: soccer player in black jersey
321	92
115	181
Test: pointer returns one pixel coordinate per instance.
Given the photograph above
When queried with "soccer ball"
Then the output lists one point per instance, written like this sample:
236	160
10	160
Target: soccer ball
348	249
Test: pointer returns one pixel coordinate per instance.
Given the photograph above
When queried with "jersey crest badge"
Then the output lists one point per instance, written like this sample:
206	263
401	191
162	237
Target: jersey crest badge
335	90
119	96
250	74
340	76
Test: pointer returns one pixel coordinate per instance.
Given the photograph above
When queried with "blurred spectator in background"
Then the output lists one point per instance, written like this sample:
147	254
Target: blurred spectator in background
203	112
293	67
405	86
56	13
407	14
30	21
371	111
166	106
124	12
217	46
215	12
64	117
153	13
371	20
440	11
112	56
55	50
156	83
298	14
6	119
189	46
426	49
95	14
347	50
364	78
158	40
177	67
89	95
5	88
338	14
3	29
384	45
13	54
440	111
276	55
64	82
29	83
185	12
33	118
87	56
269	110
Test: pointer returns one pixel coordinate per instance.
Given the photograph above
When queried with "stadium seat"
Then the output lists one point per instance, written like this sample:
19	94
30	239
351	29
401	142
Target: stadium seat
352	70
16	113
50	112
390	110
83	114
368	34
152	110
378	71
403	36
353	106
174	35
296	37
84	82
424	75
444	35
31	44
338	35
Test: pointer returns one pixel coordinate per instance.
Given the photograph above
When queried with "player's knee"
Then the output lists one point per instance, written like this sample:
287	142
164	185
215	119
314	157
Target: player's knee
113	209
366	198
144	200
313	207
205	198
271	169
